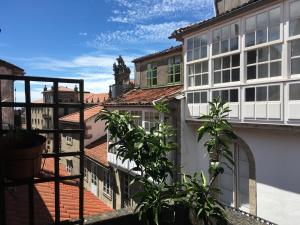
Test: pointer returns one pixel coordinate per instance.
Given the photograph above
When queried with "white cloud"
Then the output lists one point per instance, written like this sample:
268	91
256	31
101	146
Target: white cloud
83	34
142	34
139	11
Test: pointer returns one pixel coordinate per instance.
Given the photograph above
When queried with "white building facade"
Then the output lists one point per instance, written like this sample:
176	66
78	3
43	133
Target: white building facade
250	58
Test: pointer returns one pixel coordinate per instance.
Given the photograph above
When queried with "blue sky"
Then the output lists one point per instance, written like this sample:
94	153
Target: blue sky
82	38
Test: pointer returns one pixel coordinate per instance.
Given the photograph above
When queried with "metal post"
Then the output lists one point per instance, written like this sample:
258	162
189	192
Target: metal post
56	152
81	180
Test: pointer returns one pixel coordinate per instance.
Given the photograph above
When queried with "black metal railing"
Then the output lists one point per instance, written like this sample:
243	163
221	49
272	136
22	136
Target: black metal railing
56	154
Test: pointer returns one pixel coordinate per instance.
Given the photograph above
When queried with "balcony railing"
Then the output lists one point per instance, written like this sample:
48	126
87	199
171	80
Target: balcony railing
55	155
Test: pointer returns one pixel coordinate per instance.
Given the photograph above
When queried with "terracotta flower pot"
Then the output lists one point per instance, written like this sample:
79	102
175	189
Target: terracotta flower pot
21	163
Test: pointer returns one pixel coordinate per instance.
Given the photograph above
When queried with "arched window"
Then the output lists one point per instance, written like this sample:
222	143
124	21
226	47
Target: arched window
238	184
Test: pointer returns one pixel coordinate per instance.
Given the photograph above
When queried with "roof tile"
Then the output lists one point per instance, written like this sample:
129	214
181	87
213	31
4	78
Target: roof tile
88	113
98	151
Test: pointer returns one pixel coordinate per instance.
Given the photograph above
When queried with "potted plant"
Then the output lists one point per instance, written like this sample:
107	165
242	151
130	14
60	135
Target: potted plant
21	153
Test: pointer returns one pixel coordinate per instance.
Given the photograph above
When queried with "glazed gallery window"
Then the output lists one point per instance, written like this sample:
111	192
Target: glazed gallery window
151	74
294	92
227	69
151	119
295	56
197	47
294	24
264	62
263	27
106	182
198	74
226	95
225	39
174	68
199	97
262	93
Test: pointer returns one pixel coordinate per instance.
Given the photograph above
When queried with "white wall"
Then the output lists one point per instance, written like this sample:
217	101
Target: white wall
97	129
277	157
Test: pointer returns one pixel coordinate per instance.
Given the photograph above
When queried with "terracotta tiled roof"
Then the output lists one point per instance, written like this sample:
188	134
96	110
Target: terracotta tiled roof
95	98
160	53
145	96
98	151
251	4
88	113
44	205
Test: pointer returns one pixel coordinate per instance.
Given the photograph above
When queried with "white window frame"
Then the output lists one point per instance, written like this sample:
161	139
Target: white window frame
207	33
238	21
267	97
193	75
221	70
268	62
226	89
200	97
280	40
106	183
287	13
148	124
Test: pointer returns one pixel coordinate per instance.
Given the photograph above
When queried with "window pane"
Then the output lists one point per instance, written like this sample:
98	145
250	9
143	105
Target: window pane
262	70
250	94
217	64
191	81
198	80
216	48
251	72
197	97
262	21
274	33
217	77
226	76
205	79
197	54
294	91
224	95
216	35
225	33
250	24
295	27
295	66
235	75
275	52
203	40
204	97
234	45
190	69
234	95
234	30
197	68
251	57
261	94
189	55
274	93
250	39
205	66
295	10
177	77
215	94
190	44
196	42
226	62
204	52
261	36
295	47
275	69
190	98
263	54
236	60
274	16
224	46
154	81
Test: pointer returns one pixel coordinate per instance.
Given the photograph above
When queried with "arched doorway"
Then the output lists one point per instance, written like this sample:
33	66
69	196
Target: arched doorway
238	186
